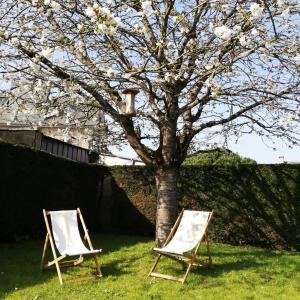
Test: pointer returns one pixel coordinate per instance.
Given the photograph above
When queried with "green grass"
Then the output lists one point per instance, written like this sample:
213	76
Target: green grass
238	273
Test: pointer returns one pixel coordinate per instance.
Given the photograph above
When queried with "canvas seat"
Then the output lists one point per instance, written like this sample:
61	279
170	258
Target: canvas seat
186	236
64	236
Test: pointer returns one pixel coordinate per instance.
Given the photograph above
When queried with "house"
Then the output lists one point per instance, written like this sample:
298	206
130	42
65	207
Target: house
281	160
53	135
48	133
109	159
36	139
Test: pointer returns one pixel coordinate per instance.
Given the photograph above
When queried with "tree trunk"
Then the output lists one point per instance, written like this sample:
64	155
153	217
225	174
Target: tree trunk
167	204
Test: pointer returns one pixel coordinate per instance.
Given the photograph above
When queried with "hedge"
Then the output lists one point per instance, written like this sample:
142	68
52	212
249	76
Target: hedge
253	204
31	180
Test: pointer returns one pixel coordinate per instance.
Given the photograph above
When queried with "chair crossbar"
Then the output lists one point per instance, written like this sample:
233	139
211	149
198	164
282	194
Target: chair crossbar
166	277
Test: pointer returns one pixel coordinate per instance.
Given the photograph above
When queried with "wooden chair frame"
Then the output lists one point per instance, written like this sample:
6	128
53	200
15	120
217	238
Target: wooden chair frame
57	260
189	260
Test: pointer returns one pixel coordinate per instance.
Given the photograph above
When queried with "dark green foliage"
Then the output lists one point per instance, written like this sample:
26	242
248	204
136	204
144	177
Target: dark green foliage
253	204
222	157
31	180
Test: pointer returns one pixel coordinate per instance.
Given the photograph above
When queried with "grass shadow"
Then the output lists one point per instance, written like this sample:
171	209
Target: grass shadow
19	262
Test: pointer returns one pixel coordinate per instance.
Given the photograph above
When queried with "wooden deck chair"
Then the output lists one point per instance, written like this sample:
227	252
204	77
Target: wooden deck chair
185	238
65	237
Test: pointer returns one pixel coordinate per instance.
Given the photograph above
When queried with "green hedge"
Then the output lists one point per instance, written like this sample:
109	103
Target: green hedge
253	204
31	180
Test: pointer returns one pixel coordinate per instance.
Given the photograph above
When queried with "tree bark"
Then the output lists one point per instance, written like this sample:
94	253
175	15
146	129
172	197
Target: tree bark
167	204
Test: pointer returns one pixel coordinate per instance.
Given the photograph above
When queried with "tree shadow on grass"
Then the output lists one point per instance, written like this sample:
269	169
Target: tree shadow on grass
19	262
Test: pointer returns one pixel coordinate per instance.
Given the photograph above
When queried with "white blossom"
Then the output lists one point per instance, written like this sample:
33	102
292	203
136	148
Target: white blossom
117	20
268	45
223	32
254	32
286	12
35	67
168	76
47	52
90	12
243	40
80	27
81	48
146	5
209	82
256	9
55	5
31	26
110	72
14	41
104	10
102	27
209	67
96	6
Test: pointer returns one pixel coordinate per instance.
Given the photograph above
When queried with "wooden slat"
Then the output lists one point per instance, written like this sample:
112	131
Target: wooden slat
42	265
174	228
166	277
50	263
52	247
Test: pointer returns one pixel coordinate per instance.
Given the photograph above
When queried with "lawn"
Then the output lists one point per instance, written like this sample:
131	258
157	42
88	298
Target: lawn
238	273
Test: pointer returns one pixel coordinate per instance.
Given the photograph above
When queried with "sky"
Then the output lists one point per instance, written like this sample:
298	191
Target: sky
250	146
253	147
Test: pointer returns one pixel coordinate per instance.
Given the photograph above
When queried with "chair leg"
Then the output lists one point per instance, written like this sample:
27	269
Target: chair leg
98	270
187	272
44	252
208	249
155	264
58	272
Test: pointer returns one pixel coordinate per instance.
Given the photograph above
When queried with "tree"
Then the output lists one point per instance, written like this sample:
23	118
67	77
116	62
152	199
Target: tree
206	68
223	157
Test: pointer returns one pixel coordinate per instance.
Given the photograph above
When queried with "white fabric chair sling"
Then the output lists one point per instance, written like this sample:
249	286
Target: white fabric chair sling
186	235
66	237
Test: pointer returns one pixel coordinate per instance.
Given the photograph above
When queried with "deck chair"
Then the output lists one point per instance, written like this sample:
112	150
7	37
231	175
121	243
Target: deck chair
183	242
65	237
